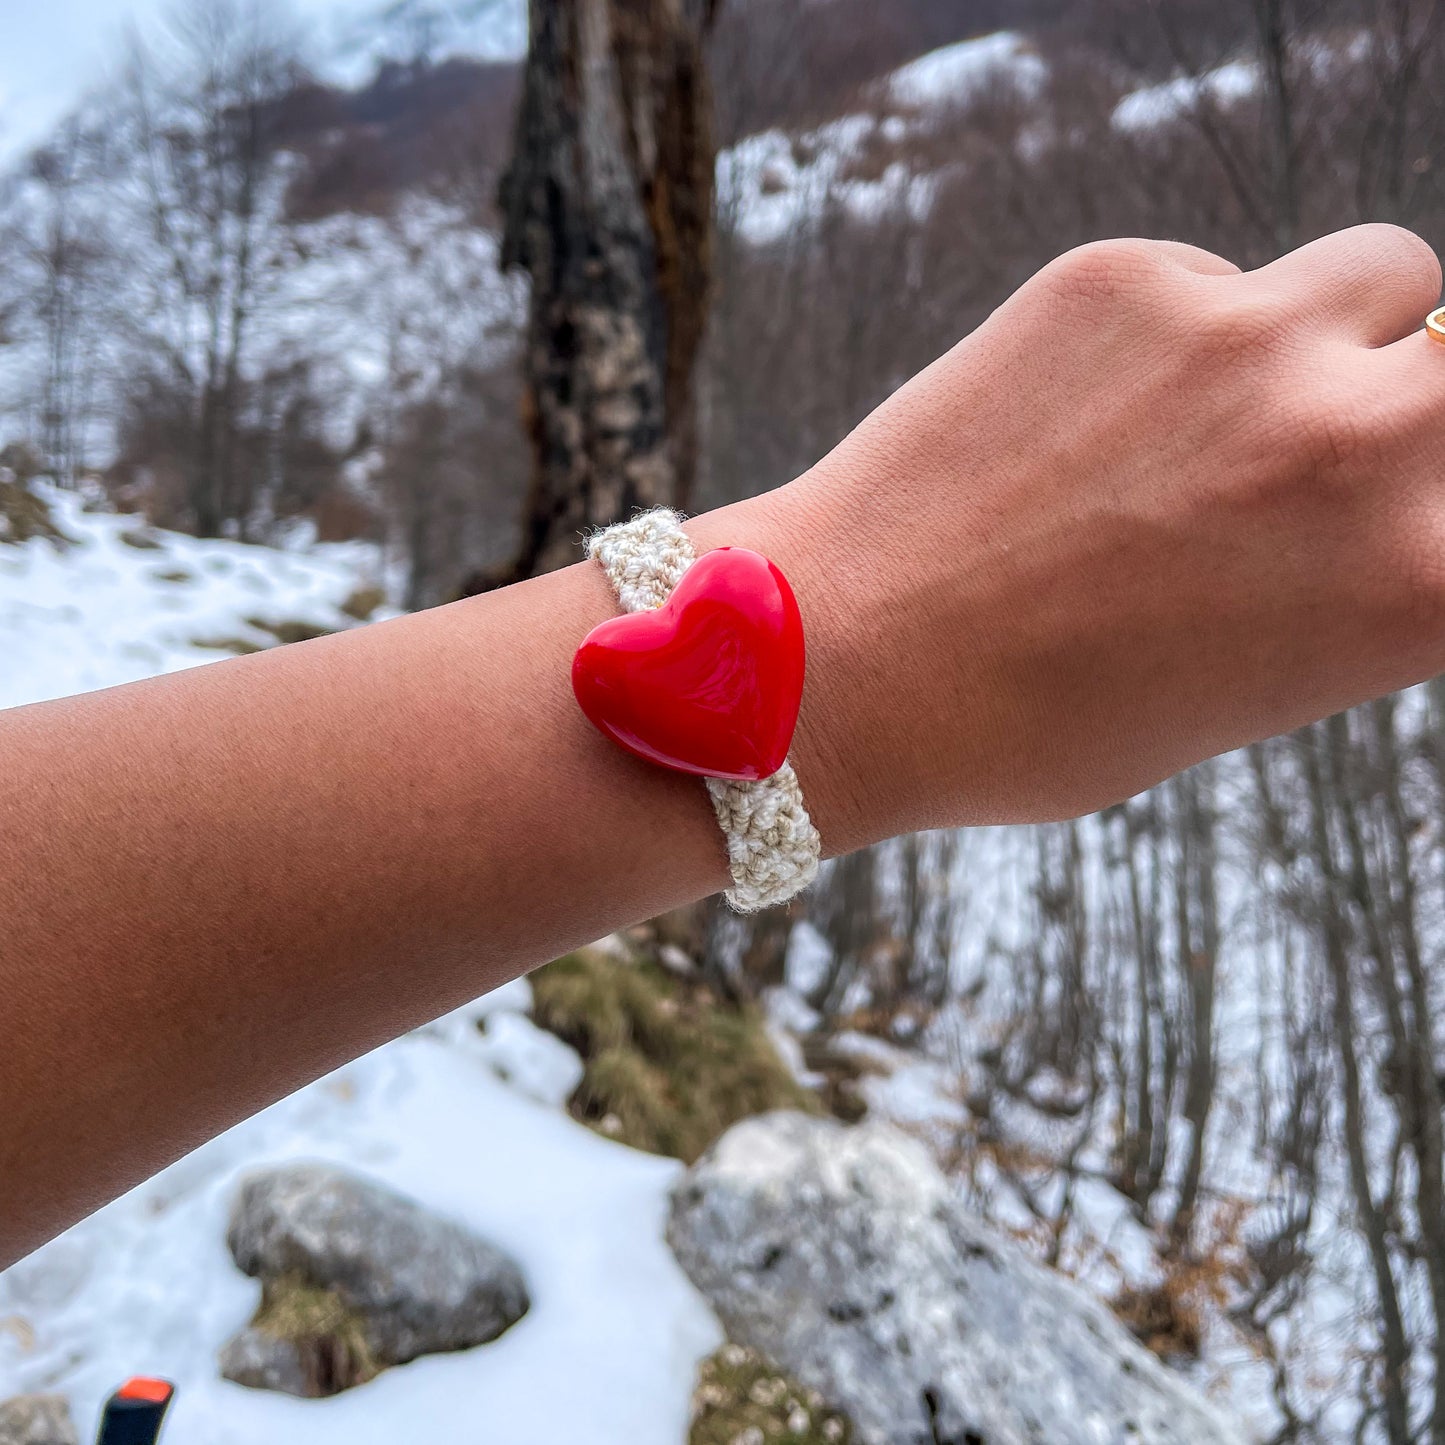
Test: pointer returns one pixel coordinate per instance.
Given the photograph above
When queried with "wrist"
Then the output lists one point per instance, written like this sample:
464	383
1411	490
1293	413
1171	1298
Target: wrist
786	527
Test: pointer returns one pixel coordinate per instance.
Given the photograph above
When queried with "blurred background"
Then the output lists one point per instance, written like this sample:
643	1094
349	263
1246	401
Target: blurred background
312	311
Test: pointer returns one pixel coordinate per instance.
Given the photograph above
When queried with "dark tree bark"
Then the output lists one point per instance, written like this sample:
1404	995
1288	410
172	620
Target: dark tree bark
608	206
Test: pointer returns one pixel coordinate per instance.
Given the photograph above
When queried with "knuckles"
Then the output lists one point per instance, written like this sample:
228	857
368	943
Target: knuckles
1102	273
1202	319
1406	254
1295	426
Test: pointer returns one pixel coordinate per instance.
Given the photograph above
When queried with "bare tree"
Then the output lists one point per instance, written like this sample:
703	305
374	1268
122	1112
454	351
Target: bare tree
60	263
208	179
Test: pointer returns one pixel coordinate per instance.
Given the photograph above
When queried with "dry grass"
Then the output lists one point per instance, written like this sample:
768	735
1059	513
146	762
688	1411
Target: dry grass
290	631
669	1066
329	1338
23	516
1164	1318
1200	1283
240	646
363	602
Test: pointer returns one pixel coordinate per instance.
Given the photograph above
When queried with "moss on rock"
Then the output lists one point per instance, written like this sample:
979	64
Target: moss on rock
668	1065
741	1399
329	1339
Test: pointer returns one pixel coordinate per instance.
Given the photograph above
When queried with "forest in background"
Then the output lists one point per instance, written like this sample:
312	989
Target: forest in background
257	304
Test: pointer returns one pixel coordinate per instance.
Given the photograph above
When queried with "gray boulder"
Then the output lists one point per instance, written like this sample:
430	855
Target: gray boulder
352	1269
36	1420
263	1360
842	1255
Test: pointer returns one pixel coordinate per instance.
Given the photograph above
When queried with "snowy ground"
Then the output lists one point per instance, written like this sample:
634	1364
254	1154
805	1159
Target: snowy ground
122	602
469	1123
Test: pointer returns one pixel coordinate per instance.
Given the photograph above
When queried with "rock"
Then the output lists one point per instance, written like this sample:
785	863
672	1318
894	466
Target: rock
265	1361
303	1340
36	1420
842	1255
359	1278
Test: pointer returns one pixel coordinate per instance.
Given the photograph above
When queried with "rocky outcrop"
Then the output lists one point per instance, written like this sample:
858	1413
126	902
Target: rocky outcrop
36	1420
356	1278
842	1255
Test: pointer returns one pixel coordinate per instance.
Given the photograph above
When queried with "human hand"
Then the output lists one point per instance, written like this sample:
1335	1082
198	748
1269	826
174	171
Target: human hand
1153	509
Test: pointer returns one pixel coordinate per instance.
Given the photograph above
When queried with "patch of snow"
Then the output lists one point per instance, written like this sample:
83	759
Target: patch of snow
957	72
787	1009
787	1017
1156	105
533	1061
772	185
906	1087
808	960
105	611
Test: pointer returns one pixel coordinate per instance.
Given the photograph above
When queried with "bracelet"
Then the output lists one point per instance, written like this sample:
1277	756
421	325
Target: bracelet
654	688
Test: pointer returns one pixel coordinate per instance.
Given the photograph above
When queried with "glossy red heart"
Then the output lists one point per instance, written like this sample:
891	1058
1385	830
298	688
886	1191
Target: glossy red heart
708	683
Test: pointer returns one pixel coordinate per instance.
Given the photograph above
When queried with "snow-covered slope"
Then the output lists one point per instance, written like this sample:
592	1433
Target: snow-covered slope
119	601
469	1123
771	185
957	72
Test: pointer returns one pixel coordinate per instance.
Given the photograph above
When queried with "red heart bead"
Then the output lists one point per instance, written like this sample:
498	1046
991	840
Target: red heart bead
708	683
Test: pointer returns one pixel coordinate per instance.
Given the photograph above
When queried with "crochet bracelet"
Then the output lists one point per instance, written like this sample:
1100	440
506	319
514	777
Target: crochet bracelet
705	676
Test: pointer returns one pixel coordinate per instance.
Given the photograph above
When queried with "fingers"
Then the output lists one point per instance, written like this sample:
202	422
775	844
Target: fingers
1373	284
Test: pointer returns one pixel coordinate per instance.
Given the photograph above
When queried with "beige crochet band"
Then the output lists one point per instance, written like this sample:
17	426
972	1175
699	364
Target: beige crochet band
773	847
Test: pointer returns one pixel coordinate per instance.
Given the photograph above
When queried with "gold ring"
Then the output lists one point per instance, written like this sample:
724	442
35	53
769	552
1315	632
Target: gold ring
1435	325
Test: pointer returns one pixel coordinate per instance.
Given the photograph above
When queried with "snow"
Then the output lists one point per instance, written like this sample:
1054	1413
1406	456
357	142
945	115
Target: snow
466	1119
102	610
771	186
955	72
1157	104
613	1336
403	301
809	959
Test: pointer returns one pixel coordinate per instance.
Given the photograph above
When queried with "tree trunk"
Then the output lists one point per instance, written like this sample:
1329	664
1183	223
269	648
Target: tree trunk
608	207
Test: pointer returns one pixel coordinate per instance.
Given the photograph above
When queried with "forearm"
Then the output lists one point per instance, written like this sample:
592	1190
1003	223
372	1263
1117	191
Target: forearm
219	884
1152	509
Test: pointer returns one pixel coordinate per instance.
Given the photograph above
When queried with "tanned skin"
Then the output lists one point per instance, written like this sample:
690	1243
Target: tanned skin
1151	510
